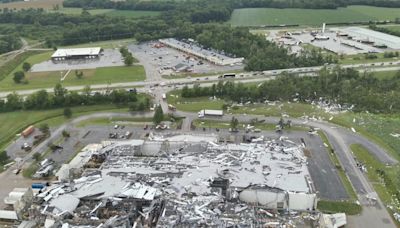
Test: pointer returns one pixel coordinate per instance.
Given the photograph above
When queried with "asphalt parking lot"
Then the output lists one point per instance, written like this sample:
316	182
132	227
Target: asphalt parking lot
108	58
163	58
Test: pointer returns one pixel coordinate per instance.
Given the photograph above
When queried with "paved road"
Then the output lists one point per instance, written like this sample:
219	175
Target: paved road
244	77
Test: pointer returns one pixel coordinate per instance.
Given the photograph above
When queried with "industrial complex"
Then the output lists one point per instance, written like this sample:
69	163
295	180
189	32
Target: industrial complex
175	180
343	41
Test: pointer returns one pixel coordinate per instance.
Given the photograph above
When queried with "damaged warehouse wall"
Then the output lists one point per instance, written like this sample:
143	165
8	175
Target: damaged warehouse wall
175	182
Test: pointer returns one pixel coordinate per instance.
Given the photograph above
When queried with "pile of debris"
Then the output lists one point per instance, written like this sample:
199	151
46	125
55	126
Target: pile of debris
183	183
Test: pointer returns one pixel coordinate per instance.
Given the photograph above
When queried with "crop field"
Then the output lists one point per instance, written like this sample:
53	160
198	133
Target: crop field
110	12
270	16
44	4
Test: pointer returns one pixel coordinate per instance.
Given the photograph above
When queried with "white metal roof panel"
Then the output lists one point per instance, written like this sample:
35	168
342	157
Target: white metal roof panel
76	52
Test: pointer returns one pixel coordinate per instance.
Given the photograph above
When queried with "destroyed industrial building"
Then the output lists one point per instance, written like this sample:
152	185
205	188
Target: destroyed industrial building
180	181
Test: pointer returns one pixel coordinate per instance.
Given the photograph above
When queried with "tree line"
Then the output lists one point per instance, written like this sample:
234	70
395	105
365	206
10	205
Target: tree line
260	54
340	86
234	4
385	29
9	43
61	97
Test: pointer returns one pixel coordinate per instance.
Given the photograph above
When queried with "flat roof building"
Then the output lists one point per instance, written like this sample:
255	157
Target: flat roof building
193	48
76	53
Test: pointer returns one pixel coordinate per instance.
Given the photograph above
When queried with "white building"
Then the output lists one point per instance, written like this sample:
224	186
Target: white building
76	53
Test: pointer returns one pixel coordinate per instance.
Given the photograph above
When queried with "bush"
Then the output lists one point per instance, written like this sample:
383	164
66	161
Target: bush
4	158
67	112
26	66
44	128
18	76
36	156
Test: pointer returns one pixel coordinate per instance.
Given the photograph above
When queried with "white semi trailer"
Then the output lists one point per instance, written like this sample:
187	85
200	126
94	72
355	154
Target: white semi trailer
210	112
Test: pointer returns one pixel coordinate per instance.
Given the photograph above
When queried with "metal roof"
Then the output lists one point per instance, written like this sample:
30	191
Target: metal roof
76	52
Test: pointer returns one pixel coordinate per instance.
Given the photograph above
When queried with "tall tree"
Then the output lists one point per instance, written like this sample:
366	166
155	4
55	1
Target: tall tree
26	66
158	115
18	76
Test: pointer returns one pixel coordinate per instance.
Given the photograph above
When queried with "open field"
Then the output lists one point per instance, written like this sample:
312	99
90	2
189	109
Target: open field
104	44
107	121
44	4
14	122
270	16
193	104
102	75
111	12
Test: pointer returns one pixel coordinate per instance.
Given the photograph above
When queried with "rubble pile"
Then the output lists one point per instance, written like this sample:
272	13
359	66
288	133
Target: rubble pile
183	184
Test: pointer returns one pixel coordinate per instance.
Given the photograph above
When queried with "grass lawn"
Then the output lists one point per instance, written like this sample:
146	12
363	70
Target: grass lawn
292	109
104	44
13	123
360	58
272	16
365	157
110	12
102	75
76	11
339	206
44	4
107	121
133	13
375	127
192	104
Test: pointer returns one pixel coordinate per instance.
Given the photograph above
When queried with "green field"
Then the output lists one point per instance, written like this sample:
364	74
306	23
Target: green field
111	12
193	104
112	121
104	44
13	123
38	4
104	75
270	16
48	79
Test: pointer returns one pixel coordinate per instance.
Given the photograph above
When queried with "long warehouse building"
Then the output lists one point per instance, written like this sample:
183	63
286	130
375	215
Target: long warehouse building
76	53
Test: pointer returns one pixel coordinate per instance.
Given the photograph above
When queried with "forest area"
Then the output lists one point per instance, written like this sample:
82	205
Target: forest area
203	20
